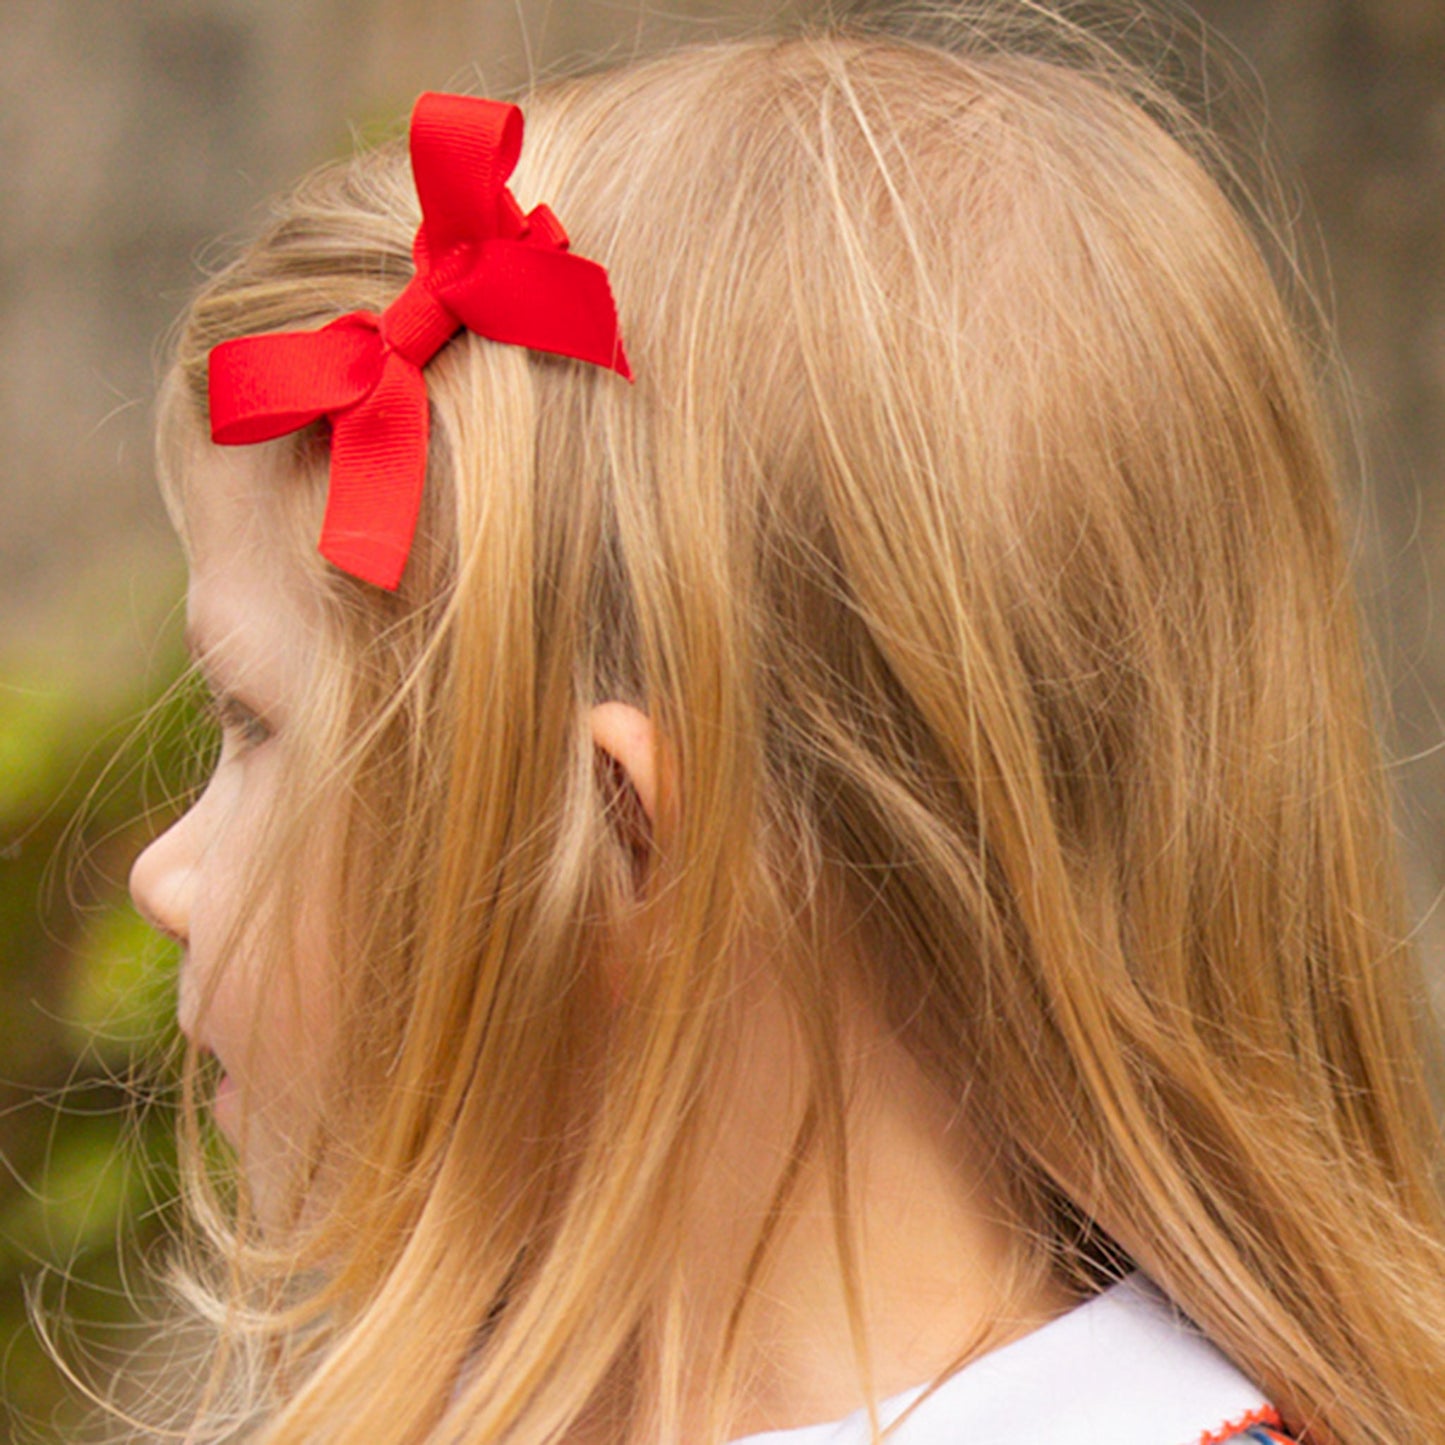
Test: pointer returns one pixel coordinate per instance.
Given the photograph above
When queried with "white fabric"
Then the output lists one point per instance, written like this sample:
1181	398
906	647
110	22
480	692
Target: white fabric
1123	1368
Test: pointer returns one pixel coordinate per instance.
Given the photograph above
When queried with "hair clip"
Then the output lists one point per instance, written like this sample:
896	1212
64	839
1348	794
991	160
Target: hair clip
481	265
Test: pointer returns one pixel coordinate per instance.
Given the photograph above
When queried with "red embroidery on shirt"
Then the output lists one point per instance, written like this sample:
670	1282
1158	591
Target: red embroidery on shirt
1268	1415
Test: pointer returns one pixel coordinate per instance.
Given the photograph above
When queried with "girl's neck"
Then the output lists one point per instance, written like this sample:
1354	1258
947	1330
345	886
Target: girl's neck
934	1249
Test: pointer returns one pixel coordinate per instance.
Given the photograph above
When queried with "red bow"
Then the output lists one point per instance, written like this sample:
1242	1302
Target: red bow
480	264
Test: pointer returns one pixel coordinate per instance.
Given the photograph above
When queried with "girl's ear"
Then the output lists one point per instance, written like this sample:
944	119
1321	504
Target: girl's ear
627	736
626	743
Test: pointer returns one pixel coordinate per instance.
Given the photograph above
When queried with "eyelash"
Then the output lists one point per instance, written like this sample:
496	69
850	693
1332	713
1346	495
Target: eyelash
236	720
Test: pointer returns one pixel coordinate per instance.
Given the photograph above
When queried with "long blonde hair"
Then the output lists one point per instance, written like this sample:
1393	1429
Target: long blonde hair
970	534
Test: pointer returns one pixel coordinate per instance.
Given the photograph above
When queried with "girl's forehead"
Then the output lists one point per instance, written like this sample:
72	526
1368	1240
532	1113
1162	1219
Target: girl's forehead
241	518
247	609
230	499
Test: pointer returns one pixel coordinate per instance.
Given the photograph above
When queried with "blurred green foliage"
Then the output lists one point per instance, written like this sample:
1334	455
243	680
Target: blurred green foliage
86	1021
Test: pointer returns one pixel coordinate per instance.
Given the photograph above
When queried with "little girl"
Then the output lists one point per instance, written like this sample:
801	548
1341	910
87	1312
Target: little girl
807	860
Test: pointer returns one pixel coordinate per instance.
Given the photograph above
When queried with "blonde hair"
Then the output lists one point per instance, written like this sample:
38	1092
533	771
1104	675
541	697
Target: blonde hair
970	535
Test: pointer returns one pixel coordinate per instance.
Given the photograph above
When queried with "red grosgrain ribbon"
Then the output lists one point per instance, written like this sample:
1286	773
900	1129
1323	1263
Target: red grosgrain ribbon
482	265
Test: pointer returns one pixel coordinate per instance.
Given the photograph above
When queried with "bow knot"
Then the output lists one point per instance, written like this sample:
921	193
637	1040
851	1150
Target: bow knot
481	264
418	323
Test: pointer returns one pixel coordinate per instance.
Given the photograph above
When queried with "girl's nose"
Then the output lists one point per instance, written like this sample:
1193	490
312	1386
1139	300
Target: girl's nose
162	881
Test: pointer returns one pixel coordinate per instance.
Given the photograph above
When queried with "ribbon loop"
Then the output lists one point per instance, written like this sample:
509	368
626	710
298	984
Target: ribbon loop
481	264
463	151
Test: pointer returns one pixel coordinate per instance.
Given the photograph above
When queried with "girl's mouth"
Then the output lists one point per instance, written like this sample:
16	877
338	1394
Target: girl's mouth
223	1105
223	1098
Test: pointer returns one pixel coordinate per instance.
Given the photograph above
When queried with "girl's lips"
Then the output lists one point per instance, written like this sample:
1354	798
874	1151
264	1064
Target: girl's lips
223	1104
223	1099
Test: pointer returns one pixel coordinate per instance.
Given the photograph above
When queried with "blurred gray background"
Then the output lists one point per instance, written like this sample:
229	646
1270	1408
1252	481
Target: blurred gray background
134	133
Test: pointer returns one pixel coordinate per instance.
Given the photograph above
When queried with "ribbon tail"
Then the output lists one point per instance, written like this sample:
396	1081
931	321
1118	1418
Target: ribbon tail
378	469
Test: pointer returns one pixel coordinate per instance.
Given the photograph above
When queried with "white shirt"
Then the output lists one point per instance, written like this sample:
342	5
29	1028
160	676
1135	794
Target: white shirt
1123	1368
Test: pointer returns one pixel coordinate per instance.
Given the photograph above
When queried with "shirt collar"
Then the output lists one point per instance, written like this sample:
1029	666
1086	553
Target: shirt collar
1123	1368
